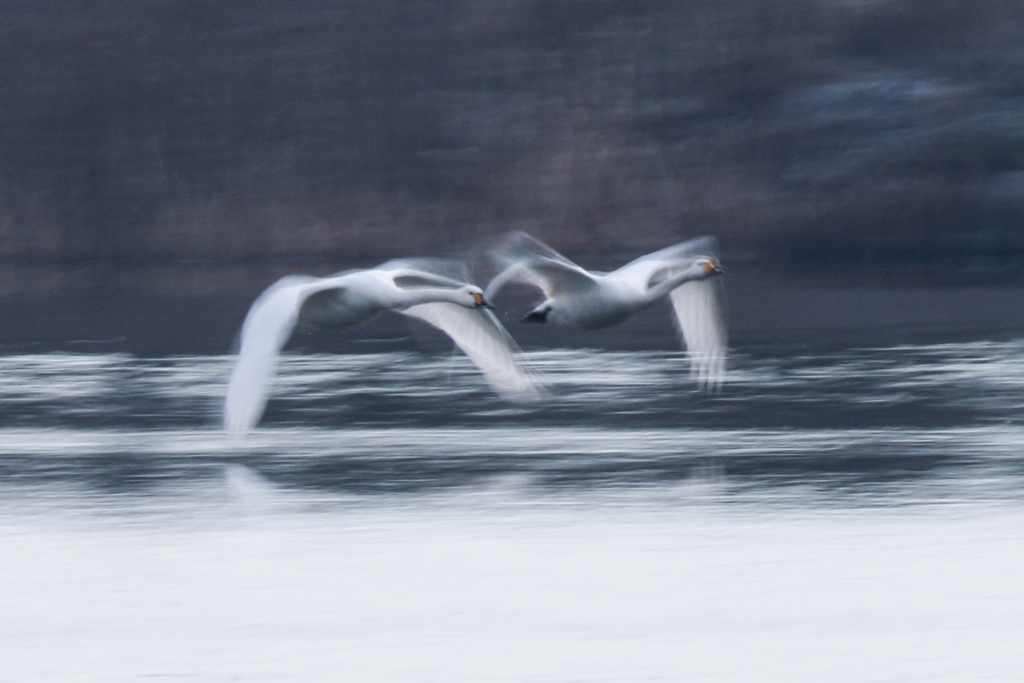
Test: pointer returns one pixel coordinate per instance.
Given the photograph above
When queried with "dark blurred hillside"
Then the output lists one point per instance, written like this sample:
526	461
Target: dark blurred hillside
176	145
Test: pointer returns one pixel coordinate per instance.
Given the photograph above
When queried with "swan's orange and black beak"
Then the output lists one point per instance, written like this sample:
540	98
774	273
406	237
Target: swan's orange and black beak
711	267
480	302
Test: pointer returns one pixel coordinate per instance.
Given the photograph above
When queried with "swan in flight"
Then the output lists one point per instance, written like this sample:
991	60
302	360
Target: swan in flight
349	298
686	273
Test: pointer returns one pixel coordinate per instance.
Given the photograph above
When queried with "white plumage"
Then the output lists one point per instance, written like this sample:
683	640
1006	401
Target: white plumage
352	297
686	273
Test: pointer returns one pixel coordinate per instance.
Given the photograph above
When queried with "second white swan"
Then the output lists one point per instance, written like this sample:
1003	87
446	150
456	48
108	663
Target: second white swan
574	297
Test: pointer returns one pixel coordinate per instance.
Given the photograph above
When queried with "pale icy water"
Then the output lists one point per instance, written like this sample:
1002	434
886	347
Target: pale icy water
853	515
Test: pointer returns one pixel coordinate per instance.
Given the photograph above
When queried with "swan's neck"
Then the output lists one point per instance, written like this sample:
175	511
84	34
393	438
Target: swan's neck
668	284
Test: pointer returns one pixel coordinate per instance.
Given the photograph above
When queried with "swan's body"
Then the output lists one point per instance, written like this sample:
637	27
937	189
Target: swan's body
353	297
583	299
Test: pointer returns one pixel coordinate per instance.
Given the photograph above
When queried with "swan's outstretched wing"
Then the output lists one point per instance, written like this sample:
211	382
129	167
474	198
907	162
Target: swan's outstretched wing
411	273
664	261
521	258
683	251
266	330
699	308
481	337
519	245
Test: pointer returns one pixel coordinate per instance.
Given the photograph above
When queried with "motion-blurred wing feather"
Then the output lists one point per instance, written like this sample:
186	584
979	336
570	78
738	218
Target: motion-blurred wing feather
520	246
684	251
699	308
522	258
551	277
664	261
481	337
561	278
266	330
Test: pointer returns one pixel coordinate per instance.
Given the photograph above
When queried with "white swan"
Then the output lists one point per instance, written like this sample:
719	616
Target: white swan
575	297
352	297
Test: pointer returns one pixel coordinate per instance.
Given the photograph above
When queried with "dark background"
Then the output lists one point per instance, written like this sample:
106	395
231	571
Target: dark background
162	161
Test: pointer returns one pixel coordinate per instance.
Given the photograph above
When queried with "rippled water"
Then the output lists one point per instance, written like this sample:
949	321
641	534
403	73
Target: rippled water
850	515
890	424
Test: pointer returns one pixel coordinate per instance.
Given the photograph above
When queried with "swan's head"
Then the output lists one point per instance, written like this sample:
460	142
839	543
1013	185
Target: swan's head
709	267
472	296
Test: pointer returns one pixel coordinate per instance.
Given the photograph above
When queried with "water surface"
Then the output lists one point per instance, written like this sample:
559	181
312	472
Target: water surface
828	515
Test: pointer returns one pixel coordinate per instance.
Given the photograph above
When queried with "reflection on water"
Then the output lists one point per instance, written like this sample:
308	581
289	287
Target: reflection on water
831	516
899	422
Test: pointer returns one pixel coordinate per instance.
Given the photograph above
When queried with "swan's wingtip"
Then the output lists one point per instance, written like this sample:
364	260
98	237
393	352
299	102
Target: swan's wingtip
710	383
524	396
234	426
707	374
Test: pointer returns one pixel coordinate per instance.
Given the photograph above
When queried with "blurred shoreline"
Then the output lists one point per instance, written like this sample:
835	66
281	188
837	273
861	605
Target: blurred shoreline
861	162
814	134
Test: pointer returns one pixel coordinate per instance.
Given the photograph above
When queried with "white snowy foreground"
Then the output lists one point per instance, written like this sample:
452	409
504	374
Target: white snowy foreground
478	587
